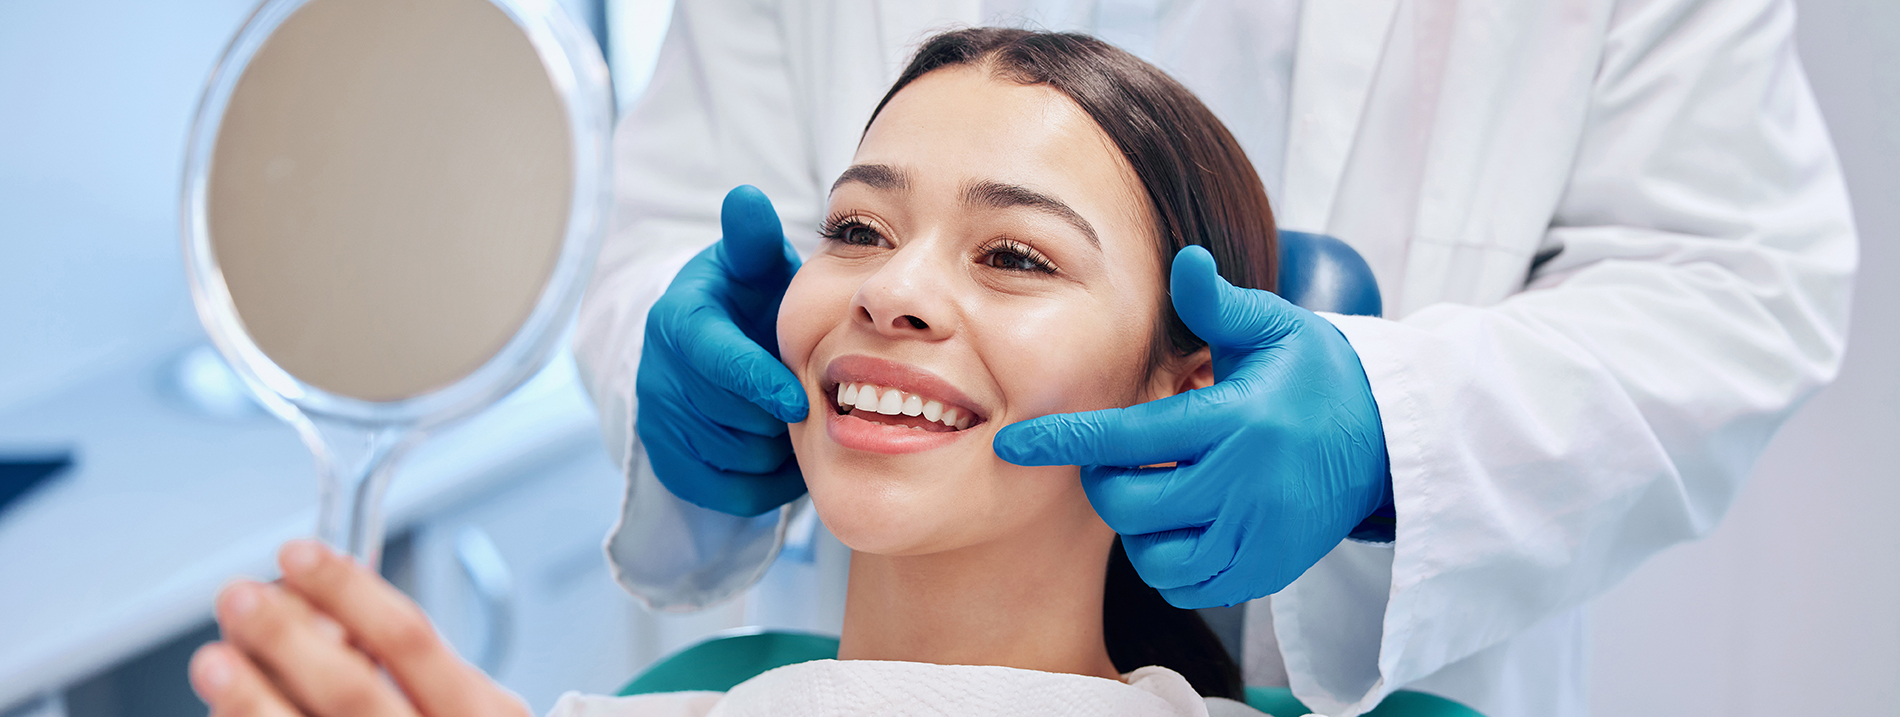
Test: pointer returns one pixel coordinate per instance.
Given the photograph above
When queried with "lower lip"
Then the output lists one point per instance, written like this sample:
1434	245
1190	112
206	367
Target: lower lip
857	433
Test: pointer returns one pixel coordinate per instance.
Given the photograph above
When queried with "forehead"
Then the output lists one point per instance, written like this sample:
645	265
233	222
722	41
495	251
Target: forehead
960	125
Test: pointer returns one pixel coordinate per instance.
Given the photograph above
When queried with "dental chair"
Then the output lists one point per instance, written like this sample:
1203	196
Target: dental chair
1317	272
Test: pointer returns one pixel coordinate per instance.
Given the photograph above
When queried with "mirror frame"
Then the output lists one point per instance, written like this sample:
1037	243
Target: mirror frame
580	79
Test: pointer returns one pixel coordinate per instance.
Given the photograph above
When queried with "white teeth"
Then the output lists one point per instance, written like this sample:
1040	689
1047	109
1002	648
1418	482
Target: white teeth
892	403
867	398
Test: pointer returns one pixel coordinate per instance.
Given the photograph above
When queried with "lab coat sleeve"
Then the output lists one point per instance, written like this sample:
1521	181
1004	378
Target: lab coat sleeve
718	112
1543	447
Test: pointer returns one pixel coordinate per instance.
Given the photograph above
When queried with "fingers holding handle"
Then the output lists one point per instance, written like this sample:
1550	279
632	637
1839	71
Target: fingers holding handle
280	654
232	686
393	630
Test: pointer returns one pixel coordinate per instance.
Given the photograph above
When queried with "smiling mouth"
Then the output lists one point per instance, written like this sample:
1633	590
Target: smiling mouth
894	407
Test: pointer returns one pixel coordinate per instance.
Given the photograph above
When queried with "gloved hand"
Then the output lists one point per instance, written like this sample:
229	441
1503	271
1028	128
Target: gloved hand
713	397
1275	463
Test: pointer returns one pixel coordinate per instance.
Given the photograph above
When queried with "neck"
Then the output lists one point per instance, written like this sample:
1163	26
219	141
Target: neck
1032	600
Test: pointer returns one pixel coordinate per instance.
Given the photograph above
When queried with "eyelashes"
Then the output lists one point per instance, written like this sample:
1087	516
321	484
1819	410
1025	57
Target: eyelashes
850	229
1011	255
1001	253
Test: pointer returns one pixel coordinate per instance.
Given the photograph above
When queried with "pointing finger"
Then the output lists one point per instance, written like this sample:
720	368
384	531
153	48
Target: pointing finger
720	352
1162	431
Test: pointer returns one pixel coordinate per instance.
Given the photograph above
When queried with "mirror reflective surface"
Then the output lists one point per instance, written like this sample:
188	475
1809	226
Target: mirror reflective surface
389	192
391	207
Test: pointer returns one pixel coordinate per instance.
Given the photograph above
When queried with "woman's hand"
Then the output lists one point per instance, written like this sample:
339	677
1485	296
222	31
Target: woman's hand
312	644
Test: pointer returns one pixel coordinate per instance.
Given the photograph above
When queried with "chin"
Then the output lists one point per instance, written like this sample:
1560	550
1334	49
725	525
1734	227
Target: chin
879	512
933	501
892	504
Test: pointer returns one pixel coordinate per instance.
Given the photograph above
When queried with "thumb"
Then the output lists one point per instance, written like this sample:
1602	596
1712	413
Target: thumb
753	245
1224	315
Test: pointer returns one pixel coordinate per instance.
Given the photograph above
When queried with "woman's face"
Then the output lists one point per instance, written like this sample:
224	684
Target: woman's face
989	258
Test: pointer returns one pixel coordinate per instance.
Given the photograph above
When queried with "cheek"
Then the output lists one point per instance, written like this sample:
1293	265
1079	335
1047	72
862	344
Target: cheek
815	304
1073	357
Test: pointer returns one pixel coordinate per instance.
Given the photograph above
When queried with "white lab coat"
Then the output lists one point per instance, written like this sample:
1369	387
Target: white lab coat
1613	239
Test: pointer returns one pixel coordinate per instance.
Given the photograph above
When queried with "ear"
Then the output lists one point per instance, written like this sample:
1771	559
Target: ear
1195	370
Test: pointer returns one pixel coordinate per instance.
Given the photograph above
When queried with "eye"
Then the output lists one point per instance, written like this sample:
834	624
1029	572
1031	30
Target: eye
851	231
1012	255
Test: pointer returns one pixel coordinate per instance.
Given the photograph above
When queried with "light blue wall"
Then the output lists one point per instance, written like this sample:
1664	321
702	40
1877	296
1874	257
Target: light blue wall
95	100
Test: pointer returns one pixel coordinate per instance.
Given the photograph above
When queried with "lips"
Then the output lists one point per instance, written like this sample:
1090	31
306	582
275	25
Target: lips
884	406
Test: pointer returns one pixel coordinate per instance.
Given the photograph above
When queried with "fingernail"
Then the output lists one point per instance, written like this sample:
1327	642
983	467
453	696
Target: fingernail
241	599
301	556
212	669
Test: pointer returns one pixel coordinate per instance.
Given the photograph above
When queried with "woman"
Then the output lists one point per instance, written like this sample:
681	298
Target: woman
995	252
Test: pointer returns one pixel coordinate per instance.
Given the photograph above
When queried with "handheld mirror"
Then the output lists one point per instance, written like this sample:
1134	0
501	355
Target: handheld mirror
390	211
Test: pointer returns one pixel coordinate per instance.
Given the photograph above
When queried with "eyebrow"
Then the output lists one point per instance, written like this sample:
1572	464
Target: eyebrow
876	176
989	194
997	195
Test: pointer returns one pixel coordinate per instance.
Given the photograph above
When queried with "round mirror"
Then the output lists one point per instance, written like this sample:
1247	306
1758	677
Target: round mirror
390	211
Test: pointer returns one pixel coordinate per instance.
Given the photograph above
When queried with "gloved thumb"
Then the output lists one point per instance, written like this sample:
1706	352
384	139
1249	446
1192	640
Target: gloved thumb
1224	315
753	247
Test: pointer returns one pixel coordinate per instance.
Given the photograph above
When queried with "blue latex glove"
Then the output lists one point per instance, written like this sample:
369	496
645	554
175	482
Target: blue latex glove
714	400
1275	463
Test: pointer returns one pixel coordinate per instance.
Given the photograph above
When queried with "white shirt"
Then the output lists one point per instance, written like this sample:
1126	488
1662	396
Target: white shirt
847	688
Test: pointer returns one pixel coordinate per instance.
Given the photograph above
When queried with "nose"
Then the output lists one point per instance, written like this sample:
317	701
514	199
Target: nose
908	298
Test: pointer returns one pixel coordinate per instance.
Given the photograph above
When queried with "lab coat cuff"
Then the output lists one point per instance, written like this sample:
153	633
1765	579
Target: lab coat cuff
1382	525
678	557
1346	671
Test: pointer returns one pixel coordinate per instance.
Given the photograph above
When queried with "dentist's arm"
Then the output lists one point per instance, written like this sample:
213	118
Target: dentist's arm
719	112
1543	446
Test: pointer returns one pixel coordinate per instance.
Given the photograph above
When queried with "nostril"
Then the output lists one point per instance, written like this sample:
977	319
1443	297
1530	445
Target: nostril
916	323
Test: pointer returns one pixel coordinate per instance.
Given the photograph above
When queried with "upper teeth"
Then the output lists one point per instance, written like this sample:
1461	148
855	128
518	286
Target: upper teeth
892	402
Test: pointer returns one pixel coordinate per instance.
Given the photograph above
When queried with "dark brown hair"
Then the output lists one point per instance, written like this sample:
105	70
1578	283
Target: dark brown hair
1202	190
